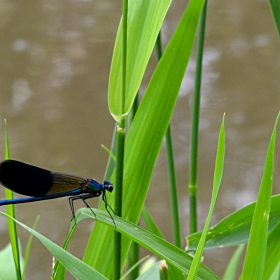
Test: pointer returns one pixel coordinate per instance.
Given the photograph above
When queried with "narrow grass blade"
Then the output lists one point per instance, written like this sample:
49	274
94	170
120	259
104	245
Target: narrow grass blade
145	18
153	228
218	173
11	211
146	135
28	246
232	266
132	259
235	228
156	245
111	164
275	8
171	170
173	189
75	266
133	267
255	254
112	156
272	258
192	187
59	270
150	223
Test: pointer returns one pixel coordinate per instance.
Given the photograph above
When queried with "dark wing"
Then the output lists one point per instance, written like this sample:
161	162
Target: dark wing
24	178
63	182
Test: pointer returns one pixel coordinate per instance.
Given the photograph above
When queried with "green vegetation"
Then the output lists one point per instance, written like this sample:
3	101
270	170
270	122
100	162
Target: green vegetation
136	151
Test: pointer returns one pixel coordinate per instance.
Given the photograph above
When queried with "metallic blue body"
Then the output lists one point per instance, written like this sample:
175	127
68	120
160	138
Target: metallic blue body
41	184
39	198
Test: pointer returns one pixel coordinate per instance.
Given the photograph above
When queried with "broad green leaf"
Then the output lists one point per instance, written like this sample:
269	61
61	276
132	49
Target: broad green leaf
153	228
235	228
145	18
151	242
218	174
255	254
148	263
272	258
275	8
7	266
150	223
59	270
146	135
75	266
233	264
152	273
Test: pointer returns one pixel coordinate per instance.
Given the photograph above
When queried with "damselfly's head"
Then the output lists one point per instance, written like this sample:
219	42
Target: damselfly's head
108	186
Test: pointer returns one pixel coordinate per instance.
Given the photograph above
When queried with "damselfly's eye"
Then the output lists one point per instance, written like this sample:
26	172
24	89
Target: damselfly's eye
108	186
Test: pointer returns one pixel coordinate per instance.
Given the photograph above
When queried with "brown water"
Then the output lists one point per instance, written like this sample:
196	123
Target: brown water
55	60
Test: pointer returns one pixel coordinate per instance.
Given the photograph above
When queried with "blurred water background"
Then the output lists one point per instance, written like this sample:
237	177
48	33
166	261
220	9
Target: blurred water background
55	60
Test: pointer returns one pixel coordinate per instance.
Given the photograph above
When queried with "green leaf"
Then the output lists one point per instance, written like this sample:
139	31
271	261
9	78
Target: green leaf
75	266
150	223
133	267
11	211
232	266
255	255
112	159
153	228
7	266
146	135
59	269
152	273
275	8
272	257
235	228
28	246
276	273
218	173
151	242
145	18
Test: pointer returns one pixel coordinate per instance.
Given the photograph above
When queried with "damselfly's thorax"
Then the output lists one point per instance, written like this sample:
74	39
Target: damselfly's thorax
92	186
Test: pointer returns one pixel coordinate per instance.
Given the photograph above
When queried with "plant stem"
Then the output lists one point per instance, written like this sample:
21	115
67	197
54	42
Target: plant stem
133	259
195	122
134	248
118	193
120	150
173	189
171	171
